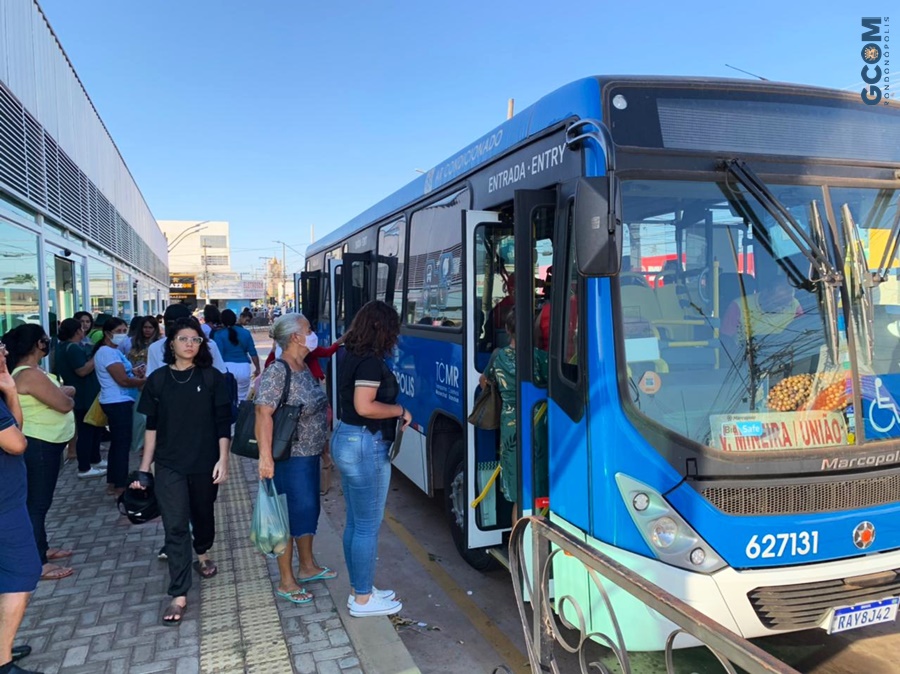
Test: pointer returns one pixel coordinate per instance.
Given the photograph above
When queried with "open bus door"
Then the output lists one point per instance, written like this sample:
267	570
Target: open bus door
475	529
336	326
307	291
353	283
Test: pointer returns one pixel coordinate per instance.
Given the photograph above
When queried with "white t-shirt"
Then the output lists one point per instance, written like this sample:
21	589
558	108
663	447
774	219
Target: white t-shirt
110	391
157	349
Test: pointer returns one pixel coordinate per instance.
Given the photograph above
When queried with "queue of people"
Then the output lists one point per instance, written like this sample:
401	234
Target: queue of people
177	384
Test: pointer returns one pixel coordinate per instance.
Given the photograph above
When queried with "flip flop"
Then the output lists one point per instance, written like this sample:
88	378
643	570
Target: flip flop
58	573
206	569
53	555
324	574
174	615
300	596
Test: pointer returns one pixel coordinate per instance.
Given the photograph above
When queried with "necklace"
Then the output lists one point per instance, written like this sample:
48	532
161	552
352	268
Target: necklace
179	381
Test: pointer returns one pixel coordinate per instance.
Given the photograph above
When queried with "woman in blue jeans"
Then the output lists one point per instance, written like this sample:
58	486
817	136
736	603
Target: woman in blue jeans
360	445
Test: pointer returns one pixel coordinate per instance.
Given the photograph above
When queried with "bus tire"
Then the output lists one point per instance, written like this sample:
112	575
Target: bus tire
455	506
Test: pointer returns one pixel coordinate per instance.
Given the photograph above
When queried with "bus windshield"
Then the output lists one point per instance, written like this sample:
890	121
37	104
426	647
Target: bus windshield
735	339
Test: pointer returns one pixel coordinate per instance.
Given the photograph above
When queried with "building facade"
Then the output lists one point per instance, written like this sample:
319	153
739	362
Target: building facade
75	231
200	263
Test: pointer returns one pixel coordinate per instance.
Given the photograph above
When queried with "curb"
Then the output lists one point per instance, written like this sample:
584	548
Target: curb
378	646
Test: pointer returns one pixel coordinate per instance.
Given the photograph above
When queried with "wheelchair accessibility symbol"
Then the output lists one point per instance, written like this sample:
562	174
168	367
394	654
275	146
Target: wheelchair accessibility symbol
883	412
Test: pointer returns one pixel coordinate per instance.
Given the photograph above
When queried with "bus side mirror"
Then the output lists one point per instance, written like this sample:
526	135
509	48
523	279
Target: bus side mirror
597	227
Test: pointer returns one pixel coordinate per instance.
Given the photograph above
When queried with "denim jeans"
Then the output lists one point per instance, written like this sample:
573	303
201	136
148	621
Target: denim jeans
87	447
298	479
120	417
365	469
42	461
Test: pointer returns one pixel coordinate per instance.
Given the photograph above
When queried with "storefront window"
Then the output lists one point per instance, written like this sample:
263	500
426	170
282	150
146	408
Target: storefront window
19	289
101	287
124	294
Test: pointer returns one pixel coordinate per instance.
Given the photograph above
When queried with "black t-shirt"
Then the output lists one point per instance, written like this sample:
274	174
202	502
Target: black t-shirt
189	411
370	371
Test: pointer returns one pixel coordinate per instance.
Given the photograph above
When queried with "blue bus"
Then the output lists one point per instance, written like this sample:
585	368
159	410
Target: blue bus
708	268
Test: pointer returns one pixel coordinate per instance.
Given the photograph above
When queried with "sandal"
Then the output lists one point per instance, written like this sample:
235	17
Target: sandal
53	554
57	572
324	574
300	596
174	614
206	569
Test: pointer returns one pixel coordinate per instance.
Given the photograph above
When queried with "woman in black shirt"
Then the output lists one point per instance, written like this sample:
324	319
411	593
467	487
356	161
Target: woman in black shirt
360	446
188	435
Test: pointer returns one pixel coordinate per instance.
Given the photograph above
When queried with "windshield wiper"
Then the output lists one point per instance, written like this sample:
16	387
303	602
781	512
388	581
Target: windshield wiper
859	288
832	334
813	252
890	250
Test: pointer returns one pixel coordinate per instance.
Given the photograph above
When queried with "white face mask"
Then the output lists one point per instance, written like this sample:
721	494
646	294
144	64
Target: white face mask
118	340
312	341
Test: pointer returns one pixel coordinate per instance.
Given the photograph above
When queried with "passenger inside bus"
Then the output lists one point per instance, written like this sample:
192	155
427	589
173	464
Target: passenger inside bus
501	369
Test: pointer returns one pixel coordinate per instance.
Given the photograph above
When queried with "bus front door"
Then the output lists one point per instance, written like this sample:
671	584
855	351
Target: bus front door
476	528
534	218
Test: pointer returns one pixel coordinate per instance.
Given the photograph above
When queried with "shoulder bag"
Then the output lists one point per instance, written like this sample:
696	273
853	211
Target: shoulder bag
486	410
284	425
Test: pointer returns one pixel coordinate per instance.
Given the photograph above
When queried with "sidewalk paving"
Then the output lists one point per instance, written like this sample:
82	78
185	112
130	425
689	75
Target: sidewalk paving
107	617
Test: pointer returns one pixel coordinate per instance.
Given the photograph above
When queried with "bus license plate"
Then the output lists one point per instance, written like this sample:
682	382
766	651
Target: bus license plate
863	615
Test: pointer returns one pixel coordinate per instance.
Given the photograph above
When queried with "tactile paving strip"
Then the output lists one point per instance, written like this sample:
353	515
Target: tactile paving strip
240	630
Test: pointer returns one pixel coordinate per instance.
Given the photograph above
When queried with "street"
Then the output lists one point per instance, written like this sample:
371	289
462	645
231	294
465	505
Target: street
456	619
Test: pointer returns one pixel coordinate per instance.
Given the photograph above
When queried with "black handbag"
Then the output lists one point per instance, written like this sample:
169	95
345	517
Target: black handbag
486	410
284	425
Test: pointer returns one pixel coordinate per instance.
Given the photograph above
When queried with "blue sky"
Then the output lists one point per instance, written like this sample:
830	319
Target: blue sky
277	115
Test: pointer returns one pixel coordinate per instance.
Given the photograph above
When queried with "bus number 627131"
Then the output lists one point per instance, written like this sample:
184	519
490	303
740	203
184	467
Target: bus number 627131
793	544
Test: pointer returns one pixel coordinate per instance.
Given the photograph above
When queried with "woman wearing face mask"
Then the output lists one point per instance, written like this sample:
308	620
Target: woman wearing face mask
298	476
118	392
48	424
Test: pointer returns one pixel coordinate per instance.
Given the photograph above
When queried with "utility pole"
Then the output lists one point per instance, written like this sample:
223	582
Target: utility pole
283	275
265	281
206	270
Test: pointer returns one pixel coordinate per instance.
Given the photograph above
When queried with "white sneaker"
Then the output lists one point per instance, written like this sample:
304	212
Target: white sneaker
100	465
375	606
384	594
92	472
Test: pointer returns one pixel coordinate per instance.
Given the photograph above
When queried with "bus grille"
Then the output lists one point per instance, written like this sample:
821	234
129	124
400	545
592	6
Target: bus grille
785	499
791	607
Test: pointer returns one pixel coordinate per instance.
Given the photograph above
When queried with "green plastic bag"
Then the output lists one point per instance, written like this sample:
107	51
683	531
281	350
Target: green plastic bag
270	530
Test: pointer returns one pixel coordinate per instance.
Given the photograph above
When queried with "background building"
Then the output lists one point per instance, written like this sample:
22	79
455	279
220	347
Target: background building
75	231
200	263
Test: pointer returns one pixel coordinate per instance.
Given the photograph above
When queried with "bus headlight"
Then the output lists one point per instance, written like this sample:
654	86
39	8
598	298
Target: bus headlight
664	532
640	502
667	534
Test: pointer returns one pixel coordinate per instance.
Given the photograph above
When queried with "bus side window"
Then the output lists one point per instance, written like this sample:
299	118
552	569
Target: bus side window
494	285
434	291
392	243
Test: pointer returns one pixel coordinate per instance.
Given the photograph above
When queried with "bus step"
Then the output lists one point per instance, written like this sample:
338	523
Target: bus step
501	555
